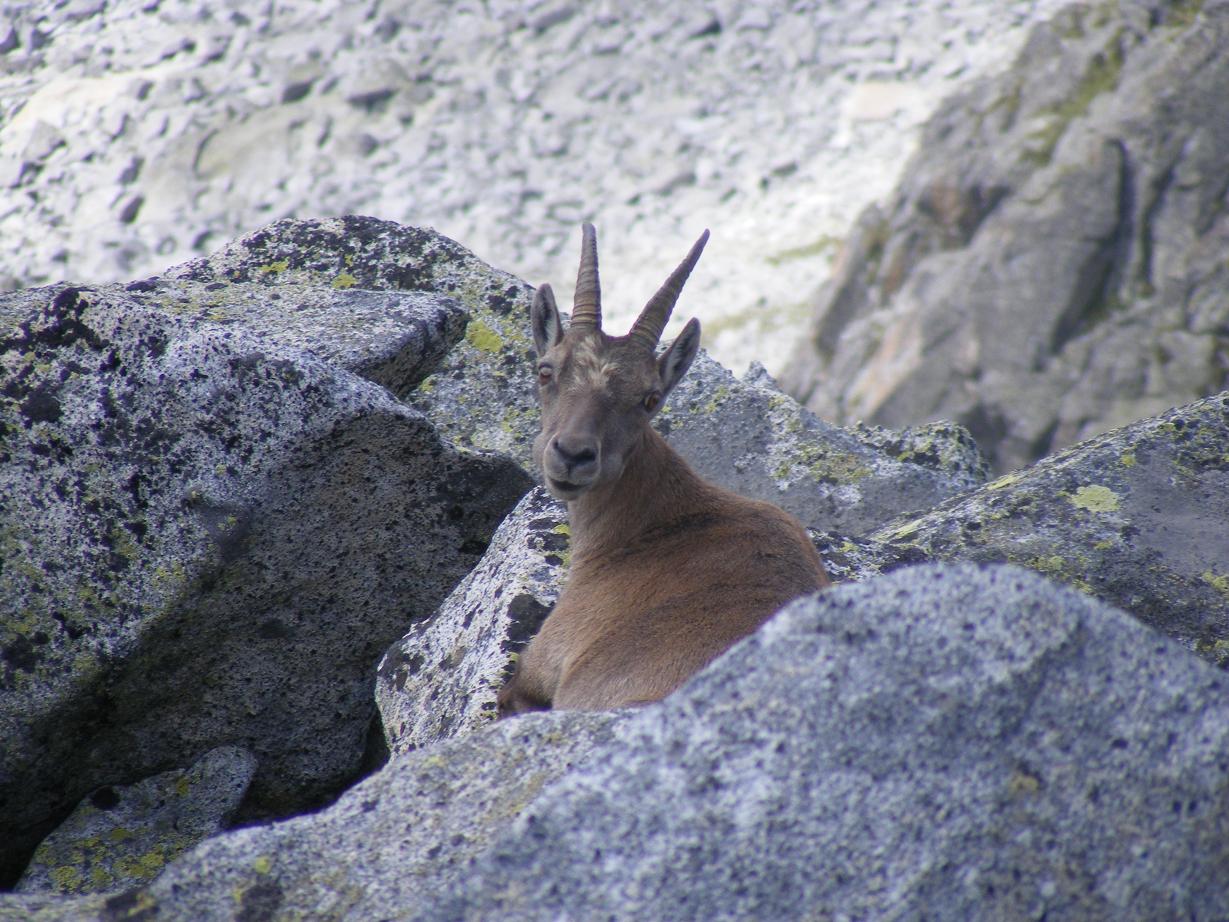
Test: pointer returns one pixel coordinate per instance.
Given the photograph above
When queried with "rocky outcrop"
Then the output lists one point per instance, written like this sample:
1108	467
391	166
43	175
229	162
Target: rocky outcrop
134	135
1052	265
953	741
1135	517
121	835
215	521
244	515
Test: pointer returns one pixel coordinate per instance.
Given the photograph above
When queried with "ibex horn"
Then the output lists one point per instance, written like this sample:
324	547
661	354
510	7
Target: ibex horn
656	313
587	305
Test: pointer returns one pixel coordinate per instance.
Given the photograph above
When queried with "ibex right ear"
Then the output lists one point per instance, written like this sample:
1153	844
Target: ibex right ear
544	317
675	361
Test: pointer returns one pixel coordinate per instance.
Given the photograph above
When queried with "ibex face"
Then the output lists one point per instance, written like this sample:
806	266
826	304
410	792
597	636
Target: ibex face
598	392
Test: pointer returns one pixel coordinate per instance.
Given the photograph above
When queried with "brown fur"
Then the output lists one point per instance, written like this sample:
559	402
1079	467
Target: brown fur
668	571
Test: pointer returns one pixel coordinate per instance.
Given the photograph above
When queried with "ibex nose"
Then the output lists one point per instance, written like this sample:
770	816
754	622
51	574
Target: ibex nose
579	456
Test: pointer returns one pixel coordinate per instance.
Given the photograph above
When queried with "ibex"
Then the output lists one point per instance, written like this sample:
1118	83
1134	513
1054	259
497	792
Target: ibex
668	570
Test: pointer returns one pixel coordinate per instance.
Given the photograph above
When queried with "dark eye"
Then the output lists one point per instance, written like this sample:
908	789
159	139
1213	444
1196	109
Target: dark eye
545	374
652	401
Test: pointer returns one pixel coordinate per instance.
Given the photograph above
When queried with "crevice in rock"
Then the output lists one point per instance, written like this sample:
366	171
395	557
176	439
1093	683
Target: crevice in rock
1092	297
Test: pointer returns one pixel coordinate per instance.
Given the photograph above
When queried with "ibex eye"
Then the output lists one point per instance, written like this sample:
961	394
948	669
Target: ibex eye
652	401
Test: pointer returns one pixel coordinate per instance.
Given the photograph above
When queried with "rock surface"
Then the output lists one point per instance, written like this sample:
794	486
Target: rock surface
949	741
134	135
1052	264
212	527
1136	517
122	836
440	680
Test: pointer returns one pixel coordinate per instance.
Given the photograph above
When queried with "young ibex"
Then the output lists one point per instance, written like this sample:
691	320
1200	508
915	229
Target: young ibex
668	570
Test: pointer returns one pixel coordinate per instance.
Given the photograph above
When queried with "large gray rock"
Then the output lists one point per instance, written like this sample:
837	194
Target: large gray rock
943	742
212	527
946	741
416	825
1052	264
482	397
1136	517
125	835
748	436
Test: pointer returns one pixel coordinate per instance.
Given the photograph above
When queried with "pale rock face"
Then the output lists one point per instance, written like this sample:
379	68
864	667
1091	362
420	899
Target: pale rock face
134	135
1052	263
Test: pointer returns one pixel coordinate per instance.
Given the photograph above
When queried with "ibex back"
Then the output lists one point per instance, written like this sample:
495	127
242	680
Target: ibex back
668	570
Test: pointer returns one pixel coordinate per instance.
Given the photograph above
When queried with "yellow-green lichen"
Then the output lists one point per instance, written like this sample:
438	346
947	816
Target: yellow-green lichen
343	280
514	421
904	531
483	338
717	398
274	268
1216	581
1022	784
263	864
1094	498
67	879
1127	459
1063	569
146	866
1052	565
823	464
1217	651
1004	482
122	543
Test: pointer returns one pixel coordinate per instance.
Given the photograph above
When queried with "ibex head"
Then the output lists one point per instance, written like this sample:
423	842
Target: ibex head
598	392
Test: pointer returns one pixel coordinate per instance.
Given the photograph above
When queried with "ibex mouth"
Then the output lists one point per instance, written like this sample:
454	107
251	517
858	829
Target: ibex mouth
564	489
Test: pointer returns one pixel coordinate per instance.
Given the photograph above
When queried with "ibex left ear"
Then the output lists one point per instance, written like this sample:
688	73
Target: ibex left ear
675	361
544	318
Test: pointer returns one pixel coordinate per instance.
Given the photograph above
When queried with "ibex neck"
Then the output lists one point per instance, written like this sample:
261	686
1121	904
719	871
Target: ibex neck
657	487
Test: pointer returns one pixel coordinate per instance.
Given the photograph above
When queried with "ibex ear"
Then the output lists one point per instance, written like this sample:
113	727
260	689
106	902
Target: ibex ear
675	361
544	317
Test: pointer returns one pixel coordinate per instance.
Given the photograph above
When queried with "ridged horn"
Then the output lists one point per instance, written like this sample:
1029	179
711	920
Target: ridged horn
656	313
587	305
